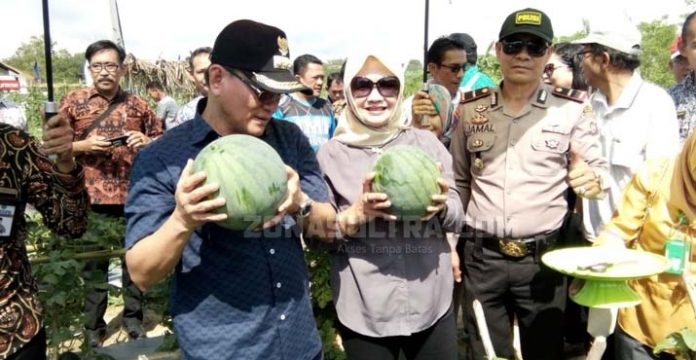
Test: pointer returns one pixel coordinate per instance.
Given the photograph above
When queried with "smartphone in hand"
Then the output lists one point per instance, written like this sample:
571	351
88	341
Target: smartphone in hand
118	140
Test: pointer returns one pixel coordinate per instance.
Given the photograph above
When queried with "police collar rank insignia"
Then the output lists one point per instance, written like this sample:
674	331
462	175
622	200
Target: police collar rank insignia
551	143
481	108
283	46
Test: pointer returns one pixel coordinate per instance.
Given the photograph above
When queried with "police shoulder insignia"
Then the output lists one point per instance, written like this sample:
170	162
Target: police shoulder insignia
470	96
570	94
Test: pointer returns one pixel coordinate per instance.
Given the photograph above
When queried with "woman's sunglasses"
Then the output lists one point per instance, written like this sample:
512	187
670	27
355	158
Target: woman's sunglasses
551	67
387	86
535	48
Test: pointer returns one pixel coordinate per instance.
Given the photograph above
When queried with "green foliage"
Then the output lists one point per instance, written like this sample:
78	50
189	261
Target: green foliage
413	77
61	286
578	35
67	67
654	61
680	343
33	103
320	292
490	66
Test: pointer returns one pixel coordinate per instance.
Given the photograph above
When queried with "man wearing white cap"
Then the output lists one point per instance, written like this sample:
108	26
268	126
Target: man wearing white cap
636	119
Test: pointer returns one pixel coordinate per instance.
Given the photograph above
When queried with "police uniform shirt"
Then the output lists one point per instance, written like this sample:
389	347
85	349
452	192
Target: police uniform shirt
511	170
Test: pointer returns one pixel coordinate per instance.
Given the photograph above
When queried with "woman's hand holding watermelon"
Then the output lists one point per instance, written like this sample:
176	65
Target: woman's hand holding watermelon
439	203
369	206
193	204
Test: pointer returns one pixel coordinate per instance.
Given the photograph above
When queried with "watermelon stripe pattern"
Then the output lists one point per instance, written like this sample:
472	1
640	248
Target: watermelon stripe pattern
251	176
409	178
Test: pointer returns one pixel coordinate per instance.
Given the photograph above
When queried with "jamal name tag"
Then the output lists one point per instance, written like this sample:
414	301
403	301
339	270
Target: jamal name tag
9	200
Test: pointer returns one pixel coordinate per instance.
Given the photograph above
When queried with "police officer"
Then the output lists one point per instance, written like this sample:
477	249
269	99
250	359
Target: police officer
518	149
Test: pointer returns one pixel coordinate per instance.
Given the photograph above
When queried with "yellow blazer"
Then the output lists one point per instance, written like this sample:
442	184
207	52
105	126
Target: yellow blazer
665	305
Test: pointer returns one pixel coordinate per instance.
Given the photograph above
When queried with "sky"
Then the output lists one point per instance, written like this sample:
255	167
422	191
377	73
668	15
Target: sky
329	29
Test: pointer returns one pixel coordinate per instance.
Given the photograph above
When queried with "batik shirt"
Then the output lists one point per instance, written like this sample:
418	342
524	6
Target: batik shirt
684	96
106	174
60	198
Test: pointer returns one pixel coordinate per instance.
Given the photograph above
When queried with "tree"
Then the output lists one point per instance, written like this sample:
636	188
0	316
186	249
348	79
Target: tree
654	60
66	67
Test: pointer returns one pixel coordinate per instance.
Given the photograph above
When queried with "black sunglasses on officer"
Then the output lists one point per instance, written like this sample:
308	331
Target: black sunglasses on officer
535	46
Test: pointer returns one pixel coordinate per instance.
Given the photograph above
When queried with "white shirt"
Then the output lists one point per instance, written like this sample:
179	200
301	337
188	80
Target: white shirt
641	125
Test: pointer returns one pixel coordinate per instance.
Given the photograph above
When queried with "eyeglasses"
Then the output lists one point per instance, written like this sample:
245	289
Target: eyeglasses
551	67
454	68
387	86
98	67
265	97
535	48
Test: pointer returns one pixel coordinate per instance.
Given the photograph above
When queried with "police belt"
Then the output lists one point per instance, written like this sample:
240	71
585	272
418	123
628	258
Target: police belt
512	247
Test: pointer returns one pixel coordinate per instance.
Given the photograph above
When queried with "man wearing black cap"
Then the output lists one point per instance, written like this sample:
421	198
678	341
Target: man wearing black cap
233	296
518	149
473	78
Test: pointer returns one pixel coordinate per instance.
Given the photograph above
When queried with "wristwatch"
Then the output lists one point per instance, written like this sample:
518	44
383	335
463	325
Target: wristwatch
305	207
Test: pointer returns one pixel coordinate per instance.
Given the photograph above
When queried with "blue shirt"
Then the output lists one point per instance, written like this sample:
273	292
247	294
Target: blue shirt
234	295
474	79
315	117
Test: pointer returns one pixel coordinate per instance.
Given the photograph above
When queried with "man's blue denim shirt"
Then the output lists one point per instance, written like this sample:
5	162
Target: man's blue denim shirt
234	295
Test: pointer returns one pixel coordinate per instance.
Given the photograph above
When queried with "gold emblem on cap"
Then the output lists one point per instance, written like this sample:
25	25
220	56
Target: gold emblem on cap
283	46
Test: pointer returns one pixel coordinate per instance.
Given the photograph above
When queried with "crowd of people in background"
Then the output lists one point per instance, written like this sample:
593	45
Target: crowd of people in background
571	145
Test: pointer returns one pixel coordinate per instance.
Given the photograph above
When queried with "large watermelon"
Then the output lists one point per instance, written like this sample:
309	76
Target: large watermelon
251	175
409	177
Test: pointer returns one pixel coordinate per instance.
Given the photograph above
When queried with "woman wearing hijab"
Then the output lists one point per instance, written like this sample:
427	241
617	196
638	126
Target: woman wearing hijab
391	278
659	204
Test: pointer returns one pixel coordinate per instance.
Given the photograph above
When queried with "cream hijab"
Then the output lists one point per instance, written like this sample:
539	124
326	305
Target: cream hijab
352	129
